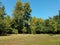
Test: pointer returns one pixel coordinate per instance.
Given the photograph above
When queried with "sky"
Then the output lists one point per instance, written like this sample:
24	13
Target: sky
40	8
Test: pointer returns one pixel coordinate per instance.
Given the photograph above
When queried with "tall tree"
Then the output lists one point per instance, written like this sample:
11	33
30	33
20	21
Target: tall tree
18	16
27	16
57	19
2	13
33	25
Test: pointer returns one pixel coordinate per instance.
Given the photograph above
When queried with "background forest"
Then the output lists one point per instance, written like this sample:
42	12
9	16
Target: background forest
22	21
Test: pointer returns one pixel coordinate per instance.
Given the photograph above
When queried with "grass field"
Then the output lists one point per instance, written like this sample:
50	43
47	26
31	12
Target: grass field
30	39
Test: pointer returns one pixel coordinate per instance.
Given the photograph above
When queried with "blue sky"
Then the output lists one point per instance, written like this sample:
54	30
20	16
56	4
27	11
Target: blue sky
40	8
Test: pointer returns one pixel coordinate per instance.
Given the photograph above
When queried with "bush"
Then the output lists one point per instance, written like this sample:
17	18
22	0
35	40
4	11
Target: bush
14	31
24	30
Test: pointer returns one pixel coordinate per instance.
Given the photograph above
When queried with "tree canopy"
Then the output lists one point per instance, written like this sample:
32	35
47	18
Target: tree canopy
23	22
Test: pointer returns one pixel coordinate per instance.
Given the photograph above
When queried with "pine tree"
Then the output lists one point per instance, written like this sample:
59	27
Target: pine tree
18	16
2	26
27	16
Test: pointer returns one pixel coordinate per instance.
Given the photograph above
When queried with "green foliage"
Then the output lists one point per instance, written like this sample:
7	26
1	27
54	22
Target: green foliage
57	19
40	25
33	29
2	12
14	31
22	22
24	30
18	16
33	25
2	26
27	16
7	21
52	25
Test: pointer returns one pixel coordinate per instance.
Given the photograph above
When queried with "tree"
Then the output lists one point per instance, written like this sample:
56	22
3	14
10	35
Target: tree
46	26
27	16
7	23
57	19
52	25
40	26
18	16
2	26
33	25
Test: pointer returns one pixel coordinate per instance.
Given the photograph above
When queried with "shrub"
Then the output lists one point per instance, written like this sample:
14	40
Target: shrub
14	31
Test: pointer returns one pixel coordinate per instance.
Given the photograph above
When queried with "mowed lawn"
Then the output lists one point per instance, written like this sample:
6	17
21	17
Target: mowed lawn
30	39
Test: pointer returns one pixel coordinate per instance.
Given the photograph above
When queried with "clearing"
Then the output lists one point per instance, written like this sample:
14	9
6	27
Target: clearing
30	39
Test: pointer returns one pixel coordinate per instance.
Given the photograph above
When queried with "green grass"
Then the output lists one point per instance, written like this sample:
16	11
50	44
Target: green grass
30	39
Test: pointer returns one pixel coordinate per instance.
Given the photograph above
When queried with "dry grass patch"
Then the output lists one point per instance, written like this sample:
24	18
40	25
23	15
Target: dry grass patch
30	39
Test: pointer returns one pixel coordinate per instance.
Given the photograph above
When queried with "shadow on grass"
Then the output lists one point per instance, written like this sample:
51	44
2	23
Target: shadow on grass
58	43
5	34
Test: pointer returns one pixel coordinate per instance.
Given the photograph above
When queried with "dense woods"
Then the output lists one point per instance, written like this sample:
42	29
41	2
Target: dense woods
22	21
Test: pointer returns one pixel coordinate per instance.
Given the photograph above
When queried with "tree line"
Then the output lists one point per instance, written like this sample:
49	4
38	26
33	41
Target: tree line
22	22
